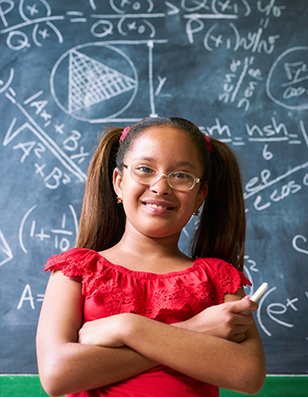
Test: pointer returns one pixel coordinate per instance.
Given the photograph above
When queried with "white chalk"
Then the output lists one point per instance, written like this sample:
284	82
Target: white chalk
259	292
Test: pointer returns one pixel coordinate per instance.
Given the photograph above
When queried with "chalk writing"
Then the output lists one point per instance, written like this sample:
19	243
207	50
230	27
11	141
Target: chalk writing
27	298
61	237
229	36
235	79
292	91
92	83
5	251
276	195
38	16
43	142
299	239
271	132
276	311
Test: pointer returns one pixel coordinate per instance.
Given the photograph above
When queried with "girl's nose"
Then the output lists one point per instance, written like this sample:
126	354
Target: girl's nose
161	186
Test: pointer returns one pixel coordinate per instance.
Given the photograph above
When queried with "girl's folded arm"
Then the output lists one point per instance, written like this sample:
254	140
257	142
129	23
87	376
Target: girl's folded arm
66	366
236	366
197	347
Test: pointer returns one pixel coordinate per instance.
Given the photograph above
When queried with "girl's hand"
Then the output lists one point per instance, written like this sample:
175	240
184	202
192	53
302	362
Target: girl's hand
229	320
104	332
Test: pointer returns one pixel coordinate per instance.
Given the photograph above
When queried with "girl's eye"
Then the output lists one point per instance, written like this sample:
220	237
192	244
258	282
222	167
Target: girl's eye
181	175
143	169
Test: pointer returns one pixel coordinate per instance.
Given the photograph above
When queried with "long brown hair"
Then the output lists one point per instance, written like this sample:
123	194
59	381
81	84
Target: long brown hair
222	226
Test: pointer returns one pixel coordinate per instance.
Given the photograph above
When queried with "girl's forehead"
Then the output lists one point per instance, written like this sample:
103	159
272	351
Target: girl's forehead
162	135
164	142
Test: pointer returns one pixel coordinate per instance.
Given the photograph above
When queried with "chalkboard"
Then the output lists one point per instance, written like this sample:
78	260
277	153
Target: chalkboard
238	69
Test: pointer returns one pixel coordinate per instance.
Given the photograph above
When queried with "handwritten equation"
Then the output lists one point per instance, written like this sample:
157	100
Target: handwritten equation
229	37
62	236
291	91
270	310
35	231
124	19
279	312
36	17
26	136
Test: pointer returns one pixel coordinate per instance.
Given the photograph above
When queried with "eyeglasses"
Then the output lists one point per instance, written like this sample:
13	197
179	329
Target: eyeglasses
146	175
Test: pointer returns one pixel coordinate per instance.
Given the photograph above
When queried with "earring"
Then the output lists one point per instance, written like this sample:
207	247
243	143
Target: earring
196	213
119	200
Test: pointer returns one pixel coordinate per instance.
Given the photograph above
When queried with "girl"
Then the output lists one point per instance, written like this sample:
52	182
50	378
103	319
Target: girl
127	313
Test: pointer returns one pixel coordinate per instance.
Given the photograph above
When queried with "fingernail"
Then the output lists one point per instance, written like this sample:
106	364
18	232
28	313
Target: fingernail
246	297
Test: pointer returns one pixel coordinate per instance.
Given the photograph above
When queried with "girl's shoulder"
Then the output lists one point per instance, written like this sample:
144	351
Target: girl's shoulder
73	262
223	275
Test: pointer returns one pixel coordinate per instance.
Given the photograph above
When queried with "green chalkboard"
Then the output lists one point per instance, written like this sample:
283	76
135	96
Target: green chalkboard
238	69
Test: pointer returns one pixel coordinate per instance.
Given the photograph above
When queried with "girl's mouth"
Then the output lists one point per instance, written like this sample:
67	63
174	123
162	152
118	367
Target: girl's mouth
166	207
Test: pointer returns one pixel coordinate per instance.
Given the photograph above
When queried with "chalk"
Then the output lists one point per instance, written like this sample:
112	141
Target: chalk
259	292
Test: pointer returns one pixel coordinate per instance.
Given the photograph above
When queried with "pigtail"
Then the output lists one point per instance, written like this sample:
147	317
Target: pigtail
222	227
102	220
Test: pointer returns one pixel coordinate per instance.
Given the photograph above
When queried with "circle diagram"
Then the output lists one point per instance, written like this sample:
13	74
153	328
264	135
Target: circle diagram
94	82
287	82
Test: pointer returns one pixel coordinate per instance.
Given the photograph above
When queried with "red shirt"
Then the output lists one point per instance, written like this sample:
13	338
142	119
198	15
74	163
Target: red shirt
111	289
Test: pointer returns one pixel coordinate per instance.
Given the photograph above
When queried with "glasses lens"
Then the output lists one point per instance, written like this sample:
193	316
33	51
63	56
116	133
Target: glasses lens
144	174
181	180
148	176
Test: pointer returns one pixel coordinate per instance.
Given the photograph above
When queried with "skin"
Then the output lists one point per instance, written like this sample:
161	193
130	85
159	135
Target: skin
222	341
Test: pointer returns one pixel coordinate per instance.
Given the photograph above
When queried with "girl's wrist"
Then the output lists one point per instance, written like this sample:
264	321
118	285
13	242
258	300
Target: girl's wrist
127	327
183	324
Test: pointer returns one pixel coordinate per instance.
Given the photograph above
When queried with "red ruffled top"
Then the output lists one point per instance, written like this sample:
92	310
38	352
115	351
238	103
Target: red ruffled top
111	289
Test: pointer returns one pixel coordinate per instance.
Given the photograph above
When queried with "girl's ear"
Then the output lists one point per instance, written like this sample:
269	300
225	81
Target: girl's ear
201	196
117	182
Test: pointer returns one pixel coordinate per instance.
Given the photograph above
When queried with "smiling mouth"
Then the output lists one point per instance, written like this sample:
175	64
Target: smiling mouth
158	206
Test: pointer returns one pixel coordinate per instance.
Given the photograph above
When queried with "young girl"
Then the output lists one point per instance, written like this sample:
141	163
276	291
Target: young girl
127	313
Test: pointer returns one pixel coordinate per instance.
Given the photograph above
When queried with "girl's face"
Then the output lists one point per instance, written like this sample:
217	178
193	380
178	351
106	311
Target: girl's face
158	210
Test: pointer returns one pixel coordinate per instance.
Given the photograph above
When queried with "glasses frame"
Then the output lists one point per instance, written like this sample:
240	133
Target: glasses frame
130	169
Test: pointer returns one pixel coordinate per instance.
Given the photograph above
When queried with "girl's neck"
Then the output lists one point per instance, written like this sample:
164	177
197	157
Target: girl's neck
141	253
139	246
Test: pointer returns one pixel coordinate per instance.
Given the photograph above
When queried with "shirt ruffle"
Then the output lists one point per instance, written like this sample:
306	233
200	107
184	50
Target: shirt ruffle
168	297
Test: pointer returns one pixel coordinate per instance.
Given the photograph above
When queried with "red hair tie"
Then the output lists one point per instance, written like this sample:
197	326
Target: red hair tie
124	133
208	143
